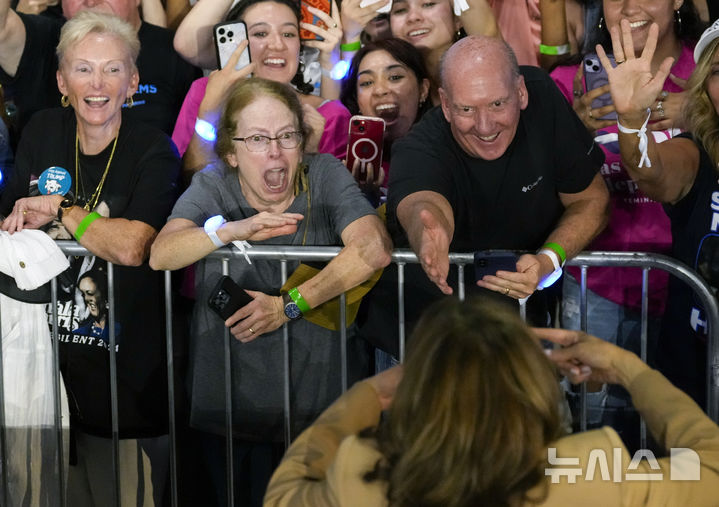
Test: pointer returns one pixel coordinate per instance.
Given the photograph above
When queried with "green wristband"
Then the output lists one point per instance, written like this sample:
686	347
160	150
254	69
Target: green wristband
351	46
554	50
557	248
299	300
85	223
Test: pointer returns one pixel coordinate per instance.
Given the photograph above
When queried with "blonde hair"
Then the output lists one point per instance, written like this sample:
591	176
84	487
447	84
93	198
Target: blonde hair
87	22
699	113
472	417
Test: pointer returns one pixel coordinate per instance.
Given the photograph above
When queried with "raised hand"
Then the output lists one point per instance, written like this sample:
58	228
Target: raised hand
633	86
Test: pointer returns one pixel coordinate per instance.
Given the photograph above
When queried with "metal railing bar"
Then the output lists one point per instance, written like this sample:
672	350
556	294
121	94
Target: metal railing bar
286	365
3	436
57	392
171	388
113	387
229	460
583	327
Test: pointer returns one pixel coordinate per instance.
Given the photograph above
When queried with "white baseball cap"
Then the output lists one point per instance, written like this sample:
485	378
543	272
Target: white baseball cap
709	35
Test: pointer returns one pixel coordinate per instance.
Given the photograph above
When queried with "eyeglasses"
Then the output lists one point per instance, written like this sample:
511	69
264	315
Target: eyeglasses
257	142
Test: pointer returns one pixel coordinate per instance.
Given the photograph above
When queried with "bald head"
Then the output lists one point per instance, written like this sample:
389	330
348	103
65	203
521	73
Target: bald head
476	56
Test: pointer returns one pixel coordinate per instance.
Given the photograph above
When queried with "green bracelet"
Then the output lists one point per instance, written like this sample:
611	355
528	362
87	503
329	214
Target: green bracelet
351	46
85	223
557	248
299	300
554	50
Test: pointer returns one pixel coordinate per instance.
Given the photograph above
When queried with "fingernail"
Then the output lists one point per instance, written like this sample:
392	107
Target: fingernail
586	369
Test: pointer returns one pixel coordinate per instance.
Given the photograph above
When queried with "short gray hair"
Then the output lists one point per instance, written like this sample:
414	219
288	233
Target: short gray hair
87	22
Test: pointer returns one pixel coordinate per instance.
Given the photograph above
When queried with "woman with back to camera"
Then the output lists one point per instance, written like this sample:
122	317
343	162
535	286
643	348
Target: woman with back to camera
430	26
121	178
637	223
683	175
474	420
273	32
387	79
269	192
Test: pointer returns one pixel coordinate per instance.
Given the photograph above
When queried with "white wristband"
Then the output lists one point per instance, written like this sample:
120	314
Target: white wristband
642	135
211	226
552	255
460	6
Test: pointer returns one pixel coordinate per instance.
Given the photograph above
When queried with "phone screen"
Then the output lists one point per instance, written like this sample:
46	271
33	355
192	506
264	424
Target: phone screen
308	17
595	76
227	37
366	140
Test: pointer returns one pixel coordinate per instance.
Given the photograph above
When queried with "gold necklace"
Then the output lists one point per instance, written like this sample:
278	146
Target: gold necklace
92	202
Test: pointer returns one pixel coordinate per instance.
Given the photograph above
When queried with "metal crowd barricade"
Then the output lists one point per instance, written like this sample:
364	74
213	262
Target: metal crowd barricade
283	254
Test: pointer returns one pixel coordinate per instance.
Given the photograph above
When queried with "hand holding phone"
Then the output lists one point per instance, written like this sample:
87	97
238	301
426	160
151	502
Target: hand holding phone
228	37
489	262
366	140
227	297
595	75
309	18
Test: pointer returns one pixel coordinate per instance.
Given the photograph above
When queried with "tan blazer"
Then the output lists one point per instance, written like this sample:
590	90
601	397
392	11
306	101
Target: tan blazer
325	465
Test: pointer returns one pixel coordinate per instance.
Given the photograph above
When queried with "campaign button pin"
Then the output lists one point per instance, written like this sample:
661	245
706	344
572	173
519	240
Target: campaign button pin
54	180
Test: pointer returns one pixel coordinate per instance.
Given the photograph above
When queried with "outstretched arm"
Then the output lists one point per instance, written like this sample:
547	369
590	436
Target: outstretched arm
193	38
428	220
479	19
671	168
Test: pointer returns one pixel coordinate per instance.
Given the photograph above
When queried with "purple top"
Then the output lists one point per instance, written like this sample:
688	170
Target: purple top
636	223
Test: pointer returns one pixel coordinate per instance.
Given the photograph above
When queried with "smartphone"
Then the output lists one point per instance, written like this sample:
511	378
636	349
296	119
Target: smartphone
488	262
227	297
366	139
308	17
227	37
595	76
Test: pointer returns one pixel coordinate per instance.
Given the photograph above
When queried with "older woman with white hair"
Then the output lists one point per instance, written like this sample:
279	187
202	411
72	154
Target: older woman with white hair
110	182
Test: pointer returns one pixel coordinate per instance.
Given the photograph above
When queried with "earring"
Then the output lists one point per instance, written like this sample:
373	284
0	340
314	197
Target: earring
678	18
64	101
129	102
601	23
458	35
421	104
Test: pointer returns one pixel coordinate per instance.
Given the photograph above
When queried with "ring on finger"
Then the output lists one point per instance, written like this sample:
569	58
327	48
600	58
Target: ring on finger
252	331
590	114
664	94
577	93
24	212
619	62
506	291
660	109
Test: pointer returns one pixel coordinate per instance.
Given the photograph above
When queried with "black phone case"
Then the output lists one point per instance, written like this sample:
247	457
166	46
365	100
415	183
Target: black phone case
489	262
227	297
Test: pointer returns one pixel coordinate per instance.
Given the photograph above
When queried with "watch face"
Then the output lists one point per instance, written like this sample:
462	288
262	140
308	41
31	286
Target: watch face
292	311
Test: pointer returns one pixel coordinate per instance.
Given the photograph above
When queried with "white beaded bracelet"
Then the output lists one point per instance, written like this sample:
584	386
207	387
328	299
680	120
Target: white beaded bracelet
642	135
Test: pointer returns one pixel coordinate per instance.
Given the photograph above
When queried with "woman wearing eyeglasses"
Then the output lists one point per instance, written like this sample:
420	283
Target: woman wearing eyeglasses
269	193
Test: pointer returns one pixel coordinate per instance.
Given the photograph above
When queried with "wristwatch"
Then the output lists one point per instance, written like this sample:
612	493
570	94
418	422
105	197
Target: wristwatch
65	205
292	311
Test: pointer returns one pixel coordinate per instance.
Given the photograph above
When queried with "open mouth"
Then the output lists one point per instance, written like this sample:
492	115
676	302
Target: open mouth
489	139
388	112
275	62
418	33
637	24
276	179
96	101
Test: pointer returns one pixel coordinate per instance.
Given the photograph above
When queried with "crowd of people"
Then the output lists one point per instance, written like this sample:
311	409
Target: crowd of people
541	129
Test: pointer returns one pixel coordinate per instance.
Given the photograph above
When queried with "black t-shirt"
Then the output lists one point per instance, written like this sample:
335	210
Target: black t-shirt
141	184
165	77
681	352
508	203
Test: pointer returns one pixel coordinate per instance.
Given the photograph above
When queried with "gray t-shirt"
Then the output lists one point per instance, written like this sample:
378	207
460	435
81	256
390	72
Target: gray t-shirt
334	202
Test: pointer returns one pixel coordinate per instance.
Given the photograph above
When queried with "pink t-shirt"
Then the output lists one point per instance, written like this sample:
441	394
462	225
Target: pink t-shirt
521	26
636	223
333	140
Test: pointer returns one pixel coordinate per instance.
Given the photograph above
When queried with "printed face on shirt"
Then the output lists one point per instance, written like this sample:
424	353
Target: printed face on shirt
483	106
93	297
97	75
267	177
641	14
274	40
125	9
429	24
389	89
